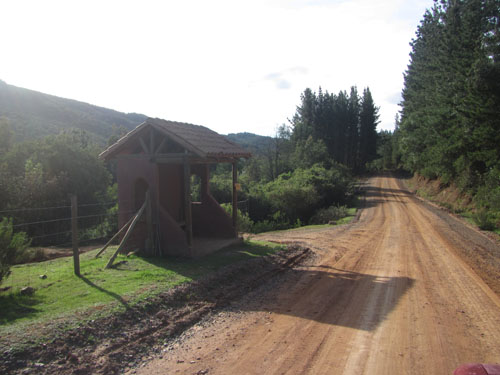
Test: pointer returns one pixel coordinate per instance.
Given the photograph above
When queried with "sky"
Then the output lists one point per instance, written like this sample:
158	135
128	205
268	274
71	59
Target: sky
233	66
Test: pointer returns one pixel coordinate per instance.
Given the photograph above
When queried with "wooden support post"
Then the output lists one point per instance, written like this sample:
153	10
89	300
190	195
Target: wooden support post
187	201
143	145
74	234
149	223
205	183
114	237
161	145
235	198
151	142
129	232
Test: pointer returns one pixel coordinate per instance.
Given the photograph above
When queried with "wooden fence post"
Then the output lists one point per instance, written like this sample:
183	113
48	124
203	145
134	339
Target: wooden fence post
129	231
235	198
188	218
74	234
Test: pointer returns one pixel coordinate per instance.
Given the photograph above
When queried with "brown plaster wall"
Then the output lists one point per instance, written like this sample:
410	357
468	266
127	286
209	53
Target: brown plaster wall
209	218
170	190
165	182
211	221
129	171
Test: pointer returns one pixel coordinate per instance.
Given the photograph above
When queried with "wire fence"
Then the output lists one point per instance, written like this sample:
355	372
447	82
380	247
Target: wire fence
50	231
51	225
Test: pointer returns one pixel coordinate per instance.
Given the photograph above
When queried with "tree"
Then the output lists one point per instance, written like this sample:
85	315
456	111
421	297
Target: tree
5	136
335	120
303	120
352	129
44	173
451	98
368	121
11	246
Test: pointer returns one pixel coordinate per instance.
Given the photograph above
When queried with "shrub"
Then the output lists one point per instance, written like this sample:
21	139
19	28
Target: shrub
245	224
484	219
487	200
12	245
332	213
298	194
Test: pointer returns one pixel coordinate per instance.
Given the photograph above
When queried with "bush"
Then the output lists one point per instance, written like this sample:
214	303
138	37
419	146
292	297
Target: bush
332	213
298	194
245	224
487	200
12	245
484	219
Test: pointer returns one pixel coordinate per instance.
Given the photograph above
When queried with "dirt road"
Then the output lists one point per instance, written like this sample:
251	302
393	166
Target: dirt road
386	295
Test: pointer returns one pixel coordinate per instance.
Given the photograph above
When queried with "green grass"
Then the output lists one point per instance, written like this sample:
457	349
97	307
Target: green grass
101	290
345	220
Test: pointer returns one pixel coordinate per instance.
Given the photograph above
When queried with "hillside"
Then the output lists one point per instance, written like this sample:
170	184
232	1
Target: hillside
32	115
257	144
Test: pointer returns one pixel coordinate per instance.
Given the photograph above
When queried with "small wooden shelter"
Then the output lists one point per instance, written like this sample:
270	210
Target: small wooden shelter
156	160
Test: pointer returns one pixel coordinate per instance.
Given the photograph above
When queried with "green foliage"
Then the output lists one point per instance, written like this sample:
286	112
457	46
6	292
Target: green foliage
488	195
487	200
485	219
245	224
309	152
298	194
12	246
368	120
6	135
257	144
221	188
345	123
450	117
332	213
33	115
100	290
44	173
117	132
388	153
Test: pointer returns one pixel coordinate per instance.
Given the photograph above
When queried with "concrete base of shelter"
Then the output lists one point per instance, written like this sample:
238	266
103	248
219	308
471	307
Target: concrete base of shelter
204	246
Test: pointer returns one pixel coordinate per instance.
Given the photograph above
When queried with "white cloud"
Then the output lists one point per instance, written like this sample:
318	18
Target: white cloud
231	66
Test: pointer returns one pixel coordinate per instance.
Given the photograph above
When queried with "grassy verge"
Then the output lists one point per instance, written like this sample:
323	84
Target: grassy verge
99	291
345	220
460	204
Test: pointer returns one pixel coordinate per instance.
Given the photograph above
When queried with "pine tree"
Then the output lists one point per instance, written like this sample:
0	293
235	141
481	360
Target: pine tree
368	121
451	99
303	120
352	129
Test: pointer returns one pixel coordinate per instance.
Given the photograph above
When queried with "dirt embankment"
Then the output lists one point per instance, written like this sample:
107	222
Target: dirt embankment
110	344
447	196
479	249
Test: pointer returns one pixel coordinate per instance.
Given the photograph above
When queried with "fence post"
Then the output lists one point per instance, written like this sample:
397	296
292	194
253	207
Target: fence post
74	234
235	198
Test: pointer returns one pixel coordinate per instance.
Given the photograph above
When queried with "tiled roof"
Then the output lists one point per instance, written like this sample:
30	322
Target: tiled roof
197	139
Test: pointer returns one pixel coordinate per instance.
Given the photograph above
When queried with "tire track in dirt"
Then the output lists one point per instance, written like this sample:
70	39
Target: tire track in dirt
386	295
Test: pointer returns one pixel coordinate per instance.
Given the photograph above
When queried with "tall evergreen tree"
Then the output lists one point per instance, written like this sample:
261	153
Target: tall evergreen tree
450	116
352	129
336	121
368	121
303	120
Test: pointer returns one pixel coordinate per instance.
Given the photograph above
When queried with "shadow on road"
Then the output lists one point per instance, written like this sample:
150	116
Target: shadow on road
377	195
342	298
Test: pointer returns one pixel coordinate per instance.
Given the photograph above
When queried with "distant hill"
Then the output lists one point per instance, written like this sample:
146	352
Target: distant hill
257	144
32	115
